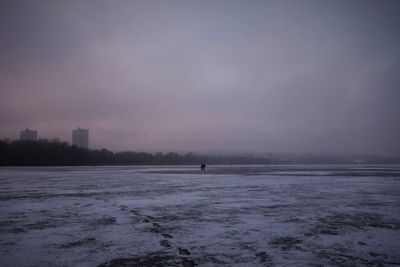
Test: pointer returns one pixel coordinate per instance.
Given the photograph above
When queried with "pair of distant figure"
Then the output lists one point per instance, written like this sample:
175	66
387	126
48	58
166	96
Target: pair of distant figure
203	166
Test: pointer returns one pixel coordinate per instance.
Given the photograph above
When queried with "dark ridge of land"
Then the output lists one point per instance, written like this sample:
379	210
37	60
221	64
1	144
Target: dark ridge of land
57	153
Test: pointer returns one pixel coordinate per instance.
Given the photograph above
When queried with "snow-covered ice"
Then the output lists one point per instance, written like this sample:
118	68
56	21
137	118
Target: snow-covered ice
180	216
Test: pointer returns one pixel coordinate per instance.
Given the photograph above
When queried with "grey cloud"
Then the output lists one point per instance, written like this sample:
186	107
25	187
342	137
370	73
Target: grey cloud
280	76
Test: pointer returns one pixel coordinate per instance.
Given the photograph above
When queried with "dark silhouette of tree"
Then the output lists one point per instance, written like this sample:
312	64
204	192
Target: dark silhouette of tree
58	153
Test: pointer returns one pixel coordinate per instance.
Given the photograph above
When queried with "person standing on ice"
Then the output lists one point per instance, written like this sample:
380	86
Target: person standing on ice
203	166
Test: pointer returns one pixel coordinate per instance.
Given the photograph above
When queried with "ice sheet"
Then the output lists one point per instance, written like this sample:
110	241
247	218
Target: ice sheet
178	215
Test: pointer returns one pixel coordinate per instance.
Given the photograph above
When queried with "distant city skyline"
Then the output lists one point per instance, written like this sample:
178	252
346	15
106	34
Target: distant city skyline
313	76
80	137
28	134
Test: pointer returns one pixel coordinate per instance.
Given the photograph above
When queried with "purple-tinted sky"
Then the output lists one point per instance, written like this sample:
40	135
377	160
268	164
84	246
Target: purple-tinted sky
234	76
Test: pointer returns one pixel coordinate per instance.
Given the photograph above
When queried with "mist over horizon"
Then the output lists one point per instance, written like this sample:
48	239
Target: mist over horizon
256	77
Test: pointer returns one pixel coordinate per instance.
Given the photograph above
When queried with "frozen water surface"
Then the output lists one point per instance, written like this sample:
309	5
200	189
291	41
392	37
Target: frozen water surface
179	216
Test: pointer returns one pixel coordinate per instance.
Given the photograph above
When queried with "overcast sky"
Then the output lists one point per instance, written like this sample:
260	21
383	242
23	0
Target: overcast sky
204	76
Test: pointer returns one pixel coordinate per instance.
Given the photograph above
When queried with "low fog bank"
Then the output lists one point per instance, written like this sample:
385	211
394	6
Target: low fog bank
57	153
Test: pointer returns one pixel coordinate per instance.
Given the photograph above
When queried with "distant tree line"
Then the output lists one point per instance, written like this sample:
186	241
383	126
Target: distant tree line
58	153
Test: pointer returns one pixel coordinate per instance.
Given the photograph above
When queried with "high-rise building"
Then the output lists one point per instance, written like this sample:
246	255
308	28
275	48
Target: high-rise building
29	135
80	138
